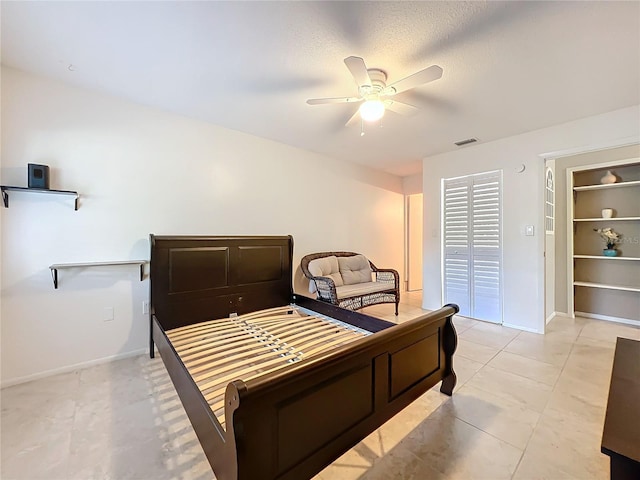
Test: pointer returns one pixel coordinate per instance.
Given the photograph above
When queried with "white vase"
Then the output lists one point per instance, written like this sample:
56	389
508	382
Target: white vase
607	212
608	178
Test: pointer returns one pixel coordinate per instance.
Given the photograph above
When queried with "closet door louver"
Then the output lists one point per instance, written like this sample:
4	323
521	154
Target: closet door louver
472	245
486	252
456	265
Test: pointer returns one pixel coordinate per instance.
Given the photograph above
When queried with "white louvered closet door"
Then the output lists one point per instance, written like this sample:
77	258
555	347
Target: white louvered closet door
456	228
472	253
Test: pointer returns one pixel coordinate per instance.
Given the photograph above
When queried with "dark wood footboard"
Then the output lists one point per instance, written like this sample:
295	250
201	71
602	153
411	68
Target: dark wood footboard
293	423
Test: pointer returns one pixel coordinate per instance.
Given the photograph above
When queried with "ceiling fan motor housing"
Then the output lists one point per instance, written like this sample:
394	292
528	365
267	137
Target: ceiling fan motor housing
378	84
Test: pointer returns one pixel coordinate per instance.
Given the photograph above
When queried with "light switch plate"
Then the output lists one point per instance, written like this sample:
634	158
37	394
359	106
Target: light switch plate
528	230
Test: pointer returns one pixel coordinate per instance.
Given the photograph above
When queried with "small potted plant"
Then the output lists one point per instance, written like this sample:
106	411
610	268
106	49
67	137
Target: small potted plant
611	238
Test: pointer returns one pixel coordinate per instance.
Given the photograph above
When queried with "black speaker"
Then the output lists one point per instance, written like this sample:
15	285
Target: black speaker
38	176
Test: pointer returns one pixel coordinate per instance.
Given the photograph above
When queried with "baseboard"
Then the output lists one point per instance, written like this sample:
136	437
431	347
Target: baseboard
556	314
71	368
519	327
596	316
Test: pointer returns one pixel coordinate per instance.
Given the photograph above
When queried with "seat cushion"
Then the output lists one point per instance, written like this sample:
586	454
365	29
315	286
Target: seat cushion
357	289
325	267
355	269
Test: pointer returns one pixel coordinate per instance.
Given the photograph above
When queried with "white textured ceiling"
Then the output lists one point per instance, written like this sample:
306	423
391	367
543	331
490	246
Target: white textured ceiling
509	67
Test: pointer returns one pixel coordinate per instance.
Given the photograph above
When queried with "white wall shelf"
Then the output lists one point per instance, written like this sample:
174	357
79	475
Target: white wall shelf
8	188
613	219
603	257
61	266
606	186
607	287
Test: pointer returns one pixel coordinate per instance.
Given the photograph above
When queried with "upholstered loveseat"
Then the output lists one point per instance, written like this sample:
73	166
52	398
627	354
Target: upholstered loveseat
349	280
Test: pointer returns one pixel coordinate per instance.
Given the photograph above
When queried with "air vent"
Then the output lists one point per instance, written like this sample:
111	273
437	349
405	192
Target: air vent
465	142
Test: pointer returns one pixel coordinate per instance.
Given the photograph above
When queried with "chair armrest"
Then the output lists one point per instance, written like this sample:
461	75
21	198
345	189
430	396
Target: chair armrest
387	275
326	289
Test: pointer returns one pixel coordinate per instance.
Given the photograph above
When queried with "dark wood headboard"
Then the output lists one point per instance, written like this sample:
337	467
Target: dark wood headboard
198	278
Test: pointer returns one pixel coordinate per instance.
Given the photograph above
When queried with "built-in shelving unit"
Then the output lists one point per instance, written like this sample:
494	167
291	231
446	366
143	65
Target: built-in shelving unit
7	188
61	266
605	287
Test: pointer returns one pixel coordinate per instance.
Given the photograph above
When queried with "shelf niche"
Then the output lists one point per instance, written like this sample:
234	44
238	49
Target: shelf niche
606	287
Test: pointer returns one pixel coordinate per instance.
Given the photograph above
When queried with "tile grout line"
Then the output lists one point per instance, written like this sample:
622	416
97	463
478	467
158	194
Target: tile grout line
515	470
539	415
533	431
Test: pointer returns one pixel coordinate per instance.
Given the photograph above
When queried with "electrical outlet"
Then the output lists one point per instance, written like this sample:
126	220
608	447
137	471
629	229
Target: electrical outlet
107	314
145	307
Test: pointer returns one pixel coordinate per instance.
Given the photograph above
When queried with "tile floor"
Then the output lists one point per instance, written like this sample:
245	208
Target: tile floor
526	406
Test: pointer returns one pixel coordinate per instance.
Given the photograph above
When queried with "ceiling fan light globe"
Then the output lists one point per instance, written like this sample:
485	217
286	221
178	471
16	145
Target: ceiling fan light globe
372	110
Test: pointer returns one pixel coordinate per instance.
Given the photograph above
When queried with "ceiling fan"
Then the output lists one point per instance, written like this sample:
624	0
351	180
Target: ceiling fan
374	95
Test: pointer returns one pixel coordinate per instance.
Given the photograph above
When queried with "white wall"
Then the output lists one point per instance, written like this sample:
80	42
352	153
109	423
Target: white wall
523	204
142	171
412	184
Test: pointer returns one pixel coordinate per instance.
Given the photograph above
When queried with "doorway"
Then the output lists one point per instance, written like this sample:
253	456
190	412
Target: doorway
413	267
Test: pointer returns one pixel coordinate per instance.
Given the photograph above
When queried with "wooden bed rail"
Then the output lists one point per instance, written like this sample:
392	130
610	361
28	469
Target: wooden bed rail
292	423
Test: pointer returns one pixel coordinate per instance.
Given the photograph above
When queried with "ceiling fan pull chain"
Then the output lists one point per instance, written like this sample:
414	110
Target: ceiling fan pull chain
361	127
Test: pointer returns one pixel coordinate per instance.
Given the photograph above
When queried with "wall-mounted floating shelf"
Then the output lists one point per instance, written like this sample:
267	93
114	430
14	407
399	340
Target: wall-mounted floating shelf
61	266
6	188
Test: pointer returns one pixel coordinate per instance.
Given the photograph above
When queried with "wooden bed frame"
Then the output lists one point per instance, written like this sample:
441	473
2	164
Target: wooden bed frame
293	422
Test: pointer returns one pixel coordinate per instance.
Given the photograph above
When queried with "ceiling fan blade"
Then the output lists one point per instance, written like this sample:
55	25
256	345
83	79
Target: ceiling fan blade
400	107
359	71
429	74
321	101
354	119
